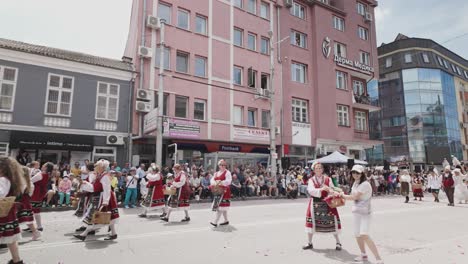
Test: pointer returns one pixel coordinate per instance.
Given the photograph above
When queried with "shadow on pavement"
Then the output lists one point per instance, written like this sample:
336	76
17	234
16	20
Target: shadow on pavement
175	223
342	256
224	229
98	244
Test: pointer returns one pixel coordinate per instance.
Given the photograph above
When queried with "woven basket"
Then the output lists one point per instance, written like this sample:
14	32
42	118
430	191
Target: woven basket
170	191
334	202
75	202
217	190
101	218
5	205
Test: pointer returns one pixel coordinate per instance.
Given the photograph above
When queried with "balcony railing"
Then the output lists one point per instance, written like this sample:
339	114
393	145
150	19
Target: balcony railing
361	134
362	99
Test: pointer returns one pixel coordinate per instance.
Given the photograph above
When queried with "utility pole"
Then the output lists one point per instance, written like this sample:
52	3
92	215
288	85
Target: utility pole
273	154
159	132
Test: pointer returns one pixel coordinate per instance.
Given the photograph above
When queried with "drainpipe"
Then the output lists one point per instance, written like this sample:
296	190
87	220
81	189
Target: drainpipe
130	120
143	41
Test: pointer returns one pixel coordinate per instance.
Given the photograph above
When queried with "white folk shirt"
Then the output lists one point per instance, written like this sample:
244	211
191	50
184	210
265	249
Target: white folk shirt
5	186
434	182
226	182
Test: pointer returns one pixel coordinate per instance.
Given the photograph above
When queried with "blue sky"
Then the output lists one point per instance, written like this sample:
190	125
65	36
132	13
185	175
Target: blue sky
90	26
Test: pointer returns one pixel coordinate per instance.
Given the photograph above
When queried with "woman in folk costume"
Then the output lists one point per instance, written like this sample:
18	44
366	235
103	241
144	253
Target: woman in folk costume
11	184
103	199
87	176
448	184
155	198
461	190
434	183
405	181
417	183
320	218
181	200
222	201
40	182
23	205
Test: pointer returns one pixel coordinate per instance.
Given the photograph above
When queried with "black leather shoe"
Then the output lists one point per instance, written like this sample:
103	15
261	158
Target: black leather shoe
215	225
111	237
39	229
142	215
92	233
165	219
19	262
81	229
27	230
308	246
338	246
2	246
225	223
80	237
163	215
186	219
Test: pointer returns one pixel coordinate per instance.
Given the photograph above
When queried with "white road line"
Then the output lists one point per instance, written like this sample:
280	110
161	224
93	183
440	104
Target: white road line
204	229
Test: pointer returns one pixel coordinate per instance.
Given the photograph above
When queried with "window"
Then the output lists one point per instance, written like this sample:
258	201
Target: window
265	119
251	120
59	95
408	58
265	46
360	118
343	115
298	72
108	153
181	105
299	110
341	80
297	10
182	62
466	74
237	76
164	12
252	78
199	109
107	101
238	115
459	71
363	33
340	50
252	41
238	37
167	56
252	6
264	81
200	66
3	149
453	68
441	63
364	57
445	64
358	87
265	10
183	18
338	23
388	62
238	3
298	39
200	24
165	100
8	78
361	8
425	58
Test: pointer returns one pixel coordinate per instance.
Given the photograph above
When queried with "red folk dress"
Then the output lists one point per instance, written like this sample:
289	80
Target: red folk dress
9	226
40	190
155	199
226	179
183	197
102	193
24	209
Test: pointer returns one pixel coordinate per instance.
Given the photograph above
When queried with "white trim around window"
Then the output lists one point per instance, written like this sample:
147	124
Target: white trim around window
4	149
339	23
363	33
59	93
298	72
107	101
343	115
300	109
108	153
360	119
341	80
298	39
199	107
8	83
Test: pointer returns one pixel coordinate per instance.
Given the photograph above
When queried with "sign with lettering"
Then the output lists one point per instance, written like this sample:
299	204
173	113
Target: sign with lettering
229	148
181	128
36	140
353	65
241	133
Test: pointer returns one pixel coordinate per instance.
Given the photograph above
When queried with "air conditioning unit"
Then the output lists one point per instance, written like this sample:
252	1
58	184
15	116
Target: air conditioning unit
153	22
277	130
114	140
288	3
144	52
144	107
368	17
144	95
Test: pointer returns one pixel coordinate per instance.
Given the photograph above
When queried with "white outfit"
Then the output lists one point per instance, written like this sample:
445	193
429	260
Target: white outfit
434	182
362	220
461	188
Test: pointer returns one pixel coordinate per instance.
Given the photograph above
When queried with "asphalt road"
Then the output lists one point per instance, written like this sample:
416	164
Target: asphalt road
269	231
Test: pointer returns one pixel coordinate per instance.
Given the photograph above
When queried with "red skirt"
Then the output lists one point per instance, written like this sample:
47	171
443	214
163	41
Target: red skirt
226	199
184	199
24	210
157	198
418	192
9	228
113	206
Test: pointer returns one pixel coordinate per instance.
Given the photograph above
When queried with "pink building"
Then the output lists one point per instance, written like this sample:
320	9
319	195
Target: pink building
217	61
327	65
217	65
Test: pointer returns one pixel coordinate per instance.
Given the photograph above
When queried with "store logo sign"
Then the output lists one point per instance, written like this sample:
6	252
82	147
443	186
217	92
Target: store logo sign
326	48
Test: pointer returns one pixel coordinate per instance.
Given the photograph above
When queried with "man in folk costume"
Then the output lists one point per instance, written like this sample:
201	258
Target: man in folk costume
181	200
11	184
449	185
40	182
103	199
155	198
222	199
320	218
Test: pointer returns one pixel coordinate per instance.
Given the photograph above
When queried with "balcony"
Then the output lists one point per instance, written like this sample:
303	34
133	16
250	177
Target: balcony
363	101
358	134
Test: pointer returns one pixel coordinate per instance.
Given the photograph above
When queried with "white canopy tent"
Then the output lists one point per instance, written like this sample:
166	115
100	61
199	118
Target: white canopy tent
337	157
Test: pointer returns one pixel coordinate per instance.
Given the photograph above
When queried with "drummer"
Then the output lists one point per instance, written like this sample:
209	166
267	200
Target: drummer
221	189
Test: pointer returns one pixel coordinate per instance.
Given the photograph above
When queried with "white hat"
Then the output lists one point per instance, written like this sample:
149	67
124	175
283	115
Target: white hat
357	168
447	167
457	170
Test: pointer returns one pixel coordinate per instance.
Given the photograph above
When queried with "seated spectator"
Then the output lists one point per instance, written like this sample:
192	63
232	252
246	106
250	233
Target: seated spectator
195	184
272	189
291	190
281	185
250	186
235	186
205	183
64	190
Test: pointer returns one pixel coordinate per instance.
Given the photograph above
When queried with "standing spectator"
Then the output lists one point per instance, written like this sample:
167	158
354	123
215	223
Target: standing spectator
140	172
131	186
116	166
64	191
291	190
445	163
461	190
85	166
281	185
250	185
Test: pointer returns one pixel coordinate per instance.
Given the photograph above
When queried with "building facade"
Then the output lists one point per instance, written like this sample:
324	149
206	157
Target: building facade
329	78
422	94
63	106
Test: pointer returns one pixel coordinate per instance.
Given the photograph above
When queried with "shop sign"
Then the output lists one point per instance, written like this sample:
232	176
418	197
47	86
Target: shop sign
230	148
353	65
150	122
251	134
181	128
22	139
